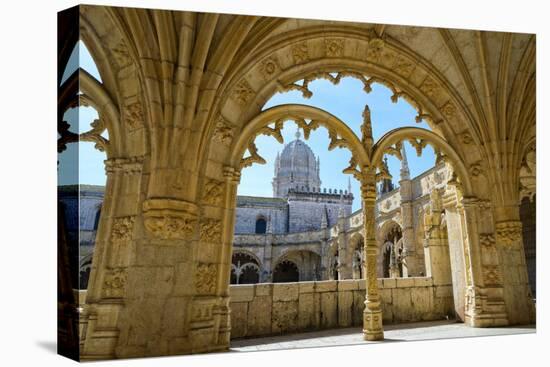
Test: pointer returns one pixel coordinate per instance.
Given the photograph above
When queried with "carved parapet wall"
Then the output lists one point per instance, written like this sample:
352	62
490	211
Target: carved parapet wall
267	309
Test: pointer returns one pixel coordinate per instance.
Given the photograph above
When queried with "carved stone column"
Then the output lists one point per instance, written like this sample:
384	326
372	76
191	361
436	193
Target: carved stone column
520	307
412	265
232	178
107	289
372	314
438	263
481	309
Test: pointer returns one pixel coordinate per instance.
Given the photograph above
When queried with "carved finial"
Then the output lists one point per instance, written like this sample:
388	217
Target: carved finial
405	173
366	129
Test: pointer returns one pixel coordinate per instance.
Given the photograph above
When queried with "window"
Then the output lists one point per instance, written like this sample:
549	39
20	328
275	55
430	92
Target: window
261	225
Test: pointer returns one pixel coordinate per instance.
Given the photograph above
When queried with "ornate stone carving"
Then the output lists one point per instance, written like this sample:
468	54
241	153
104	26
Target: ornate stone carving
352	168
213	192
210	230
223	132
508	233
122	230
114	283
243	93
375	48
268	67
202	311
403	66
466	138
487	239
254	157
170	227
430	87
129	165
476	169
275	131
335	141
334	78
449	110
418	145
491	274
121	55
205	278
300	53
169	219
334	47
94	135
133	115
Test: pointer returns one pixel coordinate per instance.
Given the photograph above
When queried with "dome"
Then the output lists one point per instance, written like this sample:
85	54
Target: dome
296	168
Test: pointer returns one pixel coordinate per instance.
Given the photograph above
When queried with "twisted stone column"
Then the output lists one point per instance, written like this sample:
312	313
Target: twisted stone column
372	314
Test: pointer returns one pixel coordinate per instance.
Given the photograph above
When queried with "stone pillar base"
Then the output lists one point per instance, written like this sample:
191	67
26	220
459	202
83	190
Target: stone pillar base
372	325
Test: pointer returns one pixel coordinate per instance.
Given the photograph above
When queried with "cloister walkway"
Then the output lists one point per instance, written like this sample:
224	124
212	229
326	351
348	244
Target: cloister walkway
353	336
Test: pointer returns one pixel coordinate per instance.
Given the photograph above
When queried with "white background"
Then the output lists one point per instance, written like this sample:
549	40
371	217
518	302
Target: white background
28	181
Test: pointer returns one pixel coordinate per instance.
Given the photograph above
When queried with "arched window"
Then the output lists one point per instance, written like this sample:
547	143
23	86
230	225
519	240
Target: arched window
286	271
244	269
261	225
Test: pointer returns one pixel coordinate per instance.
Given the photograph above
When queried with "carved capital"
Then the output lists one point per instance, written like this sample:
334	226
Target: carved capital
231	175
131	165
170	219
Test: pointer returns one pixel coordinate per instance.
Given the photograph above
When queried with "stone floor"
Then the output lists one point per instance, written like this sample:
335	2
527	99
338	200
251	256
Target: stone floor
392	333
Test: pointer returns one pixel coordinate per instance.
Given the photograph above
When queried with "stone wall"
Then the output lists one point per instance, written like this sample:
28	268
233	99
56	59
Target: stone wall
267	309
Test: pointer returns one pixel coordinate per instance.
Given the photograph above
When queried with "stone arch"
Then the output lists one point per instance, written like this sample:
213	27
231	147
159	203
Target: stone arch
300	114
308	263
286	271
245	268
419	138
443	106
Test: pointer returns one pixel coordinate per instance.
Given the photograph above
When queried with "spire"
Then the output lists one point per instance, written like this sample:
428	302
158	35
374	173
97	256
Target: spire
405	173
387	184
349	185
366	129
297	135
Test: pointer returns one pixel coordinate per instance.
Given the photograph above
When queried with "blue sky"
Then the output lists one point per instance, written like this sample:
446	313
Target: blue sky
345	100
